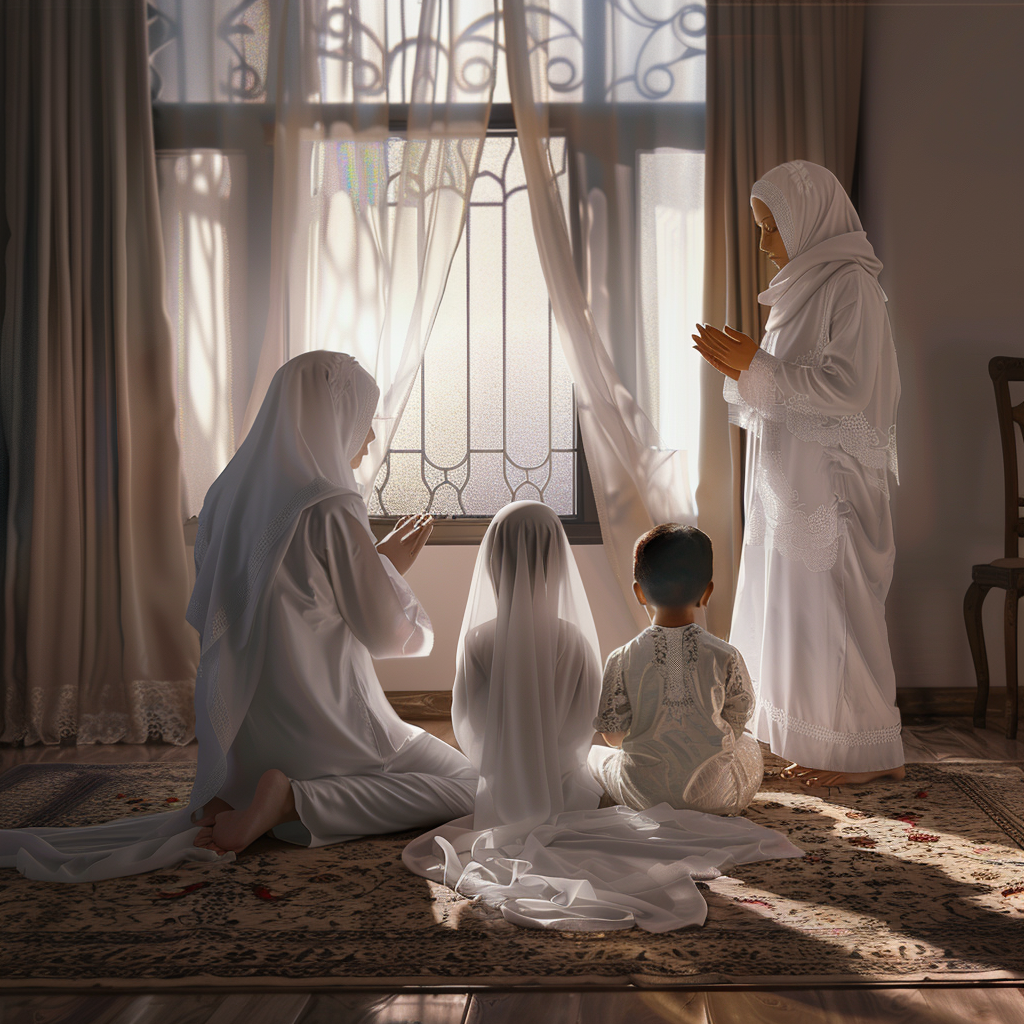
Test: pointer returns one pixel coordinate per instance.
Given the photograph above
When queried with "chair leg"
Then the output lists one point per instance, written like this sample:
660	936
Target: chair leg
973	600
1010	625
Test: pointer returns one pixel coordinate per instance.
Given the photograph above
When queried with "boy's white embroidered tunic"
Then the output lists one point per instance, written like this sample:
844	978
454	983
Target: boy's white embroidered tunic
819	405
683	697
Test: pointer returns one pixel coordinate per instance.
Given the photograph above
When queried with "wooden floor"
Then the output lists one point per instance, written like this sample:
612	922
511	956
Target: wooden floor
927	740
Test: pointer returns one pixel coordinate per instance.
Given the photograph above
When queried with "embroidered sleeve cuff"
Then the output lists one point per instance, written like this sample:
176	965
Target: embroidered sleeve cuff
613	723
757	388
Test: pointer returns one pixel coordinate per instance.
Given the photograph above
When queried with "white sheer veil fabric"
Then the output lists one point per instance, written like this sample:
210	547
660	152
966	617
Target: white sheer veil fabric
314	419
537	846
527	595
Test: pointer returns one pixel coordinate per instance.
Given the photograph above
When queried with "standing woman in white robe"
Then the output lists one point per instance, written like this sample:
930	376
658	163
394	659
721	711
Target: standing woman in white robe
292	599
527	685
818	399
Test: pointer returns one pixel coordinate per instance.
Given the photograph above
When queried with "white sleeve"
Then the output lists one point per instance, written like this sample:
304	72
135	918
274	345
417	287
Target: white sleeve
614	713
739	694
842	383
372	597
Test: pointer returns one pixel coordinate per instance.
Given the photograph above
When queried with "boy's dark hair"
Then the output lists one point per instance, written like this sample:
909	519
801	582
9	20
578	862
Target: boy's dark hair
673	564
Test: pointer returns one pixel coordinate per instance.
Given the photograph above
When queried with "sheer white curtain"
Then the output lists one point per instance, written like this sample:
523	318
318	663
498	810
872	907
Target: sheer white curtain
347	137
624	82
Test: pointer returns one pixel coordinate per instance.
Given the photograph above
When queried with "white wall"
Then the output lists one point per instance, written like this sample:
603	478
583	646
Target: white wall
942	199
440	578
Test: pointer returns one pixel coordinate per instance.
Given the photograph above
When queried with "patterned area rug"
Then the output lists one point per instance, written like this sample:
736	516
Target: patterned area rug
902	881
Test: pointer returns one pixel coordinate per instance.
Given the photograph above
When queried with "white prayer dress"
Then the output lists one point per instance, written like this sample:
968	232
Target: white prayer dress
291	600
683	698
526	690
819	405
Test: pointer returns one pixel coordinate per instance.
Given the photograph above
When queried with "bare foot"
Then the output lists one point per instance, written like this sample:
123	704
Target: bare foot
823	777
210	811
233	831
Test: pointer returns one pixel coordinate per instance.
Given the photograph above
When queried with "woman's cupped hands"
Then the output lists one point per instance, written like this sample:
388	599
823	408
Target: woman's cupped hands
406	540
729	351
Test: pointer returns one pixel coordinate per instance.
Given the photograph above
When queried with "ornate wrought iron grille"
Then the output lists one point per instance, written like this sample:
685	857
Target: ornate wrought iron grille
600	50
491	417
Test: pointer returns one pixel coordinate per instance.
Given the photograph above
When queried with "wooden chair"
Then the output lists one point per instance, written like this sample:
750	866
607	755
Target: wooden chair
1006	573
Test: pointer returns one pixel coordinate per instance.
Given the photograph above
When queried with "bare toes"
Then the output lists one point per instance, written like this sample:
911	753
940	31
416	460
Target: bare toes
204	838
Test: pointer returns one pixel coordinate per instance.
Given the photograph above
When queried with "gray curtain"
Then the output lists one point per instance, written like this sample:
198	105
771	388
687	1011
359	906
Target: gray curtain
95	647
783	83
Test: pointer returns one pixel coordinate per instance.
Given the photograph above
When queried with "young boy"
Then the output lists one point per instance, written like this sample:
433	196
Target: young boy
675	699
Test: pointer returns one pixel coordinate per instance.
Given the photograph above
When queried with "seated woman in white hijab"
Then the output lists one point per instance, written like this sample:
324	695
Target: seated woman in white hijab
818	399
527	685
291	602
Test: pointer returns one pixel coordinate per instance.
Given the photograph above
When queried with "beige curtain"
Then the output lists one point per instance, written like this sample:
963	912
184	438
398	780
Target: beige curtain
783	83
95	644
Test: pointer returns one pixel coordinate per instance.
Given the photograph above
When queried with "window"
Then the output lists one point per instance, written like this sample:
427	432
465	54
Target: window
492	412
491	417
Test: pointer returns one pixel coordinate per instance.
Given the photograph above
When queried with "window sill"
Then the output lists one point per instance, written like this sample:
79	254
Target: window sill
470	530
451	532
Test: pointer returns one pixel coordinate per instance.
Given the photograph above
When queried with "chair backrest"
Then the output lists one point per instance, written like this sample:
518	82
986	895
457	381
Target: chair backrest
1003	370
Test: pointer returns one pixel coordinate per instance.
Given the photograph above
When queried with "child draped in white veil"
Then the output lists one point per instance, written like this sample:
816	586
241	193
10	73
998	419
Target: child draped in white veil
526	690
527	675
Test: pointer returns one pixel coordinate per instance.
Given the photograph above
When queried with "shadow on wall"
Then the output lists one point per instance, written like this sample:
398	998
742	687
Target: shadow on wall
440	578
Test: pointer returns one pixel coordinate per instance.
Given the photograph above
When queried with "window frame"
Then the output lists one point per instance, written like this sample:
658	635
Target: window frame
582	528
248	128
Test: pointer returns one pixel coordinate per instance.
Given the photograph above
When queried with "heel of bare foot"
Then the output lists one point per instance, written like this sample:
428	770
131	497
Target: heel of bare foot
209	812
273	804
822	777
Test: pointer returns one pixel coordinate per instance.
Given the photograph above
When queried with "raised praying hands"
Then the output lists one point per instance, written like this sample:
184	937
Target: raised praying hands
728	351
406	540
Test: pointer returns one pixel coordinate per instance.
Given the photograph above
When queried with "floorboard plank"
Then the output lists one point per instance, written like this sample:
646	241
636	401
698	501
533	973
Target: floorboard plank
66	1009
261	1008
406	1008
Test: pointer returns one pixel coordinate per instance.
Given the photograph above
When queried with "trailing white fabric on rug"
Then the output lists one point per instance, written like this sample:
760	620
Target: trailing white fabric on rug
596	870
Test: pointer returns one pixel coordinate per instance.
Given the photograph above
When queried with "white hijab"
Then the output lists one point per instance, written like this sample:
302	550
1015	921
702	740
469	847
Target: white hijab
312	422
527	588
820	229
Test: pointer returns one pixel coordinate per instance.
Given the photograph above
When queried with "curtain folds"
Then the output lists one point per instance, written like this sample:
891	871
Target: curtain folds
376	149
95	644
316	160
626	145
783	84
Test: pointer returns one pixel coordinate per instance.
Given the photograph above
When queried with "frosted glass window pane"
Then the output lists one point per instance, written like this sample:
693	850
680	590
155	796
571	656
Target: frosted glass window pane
494	396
